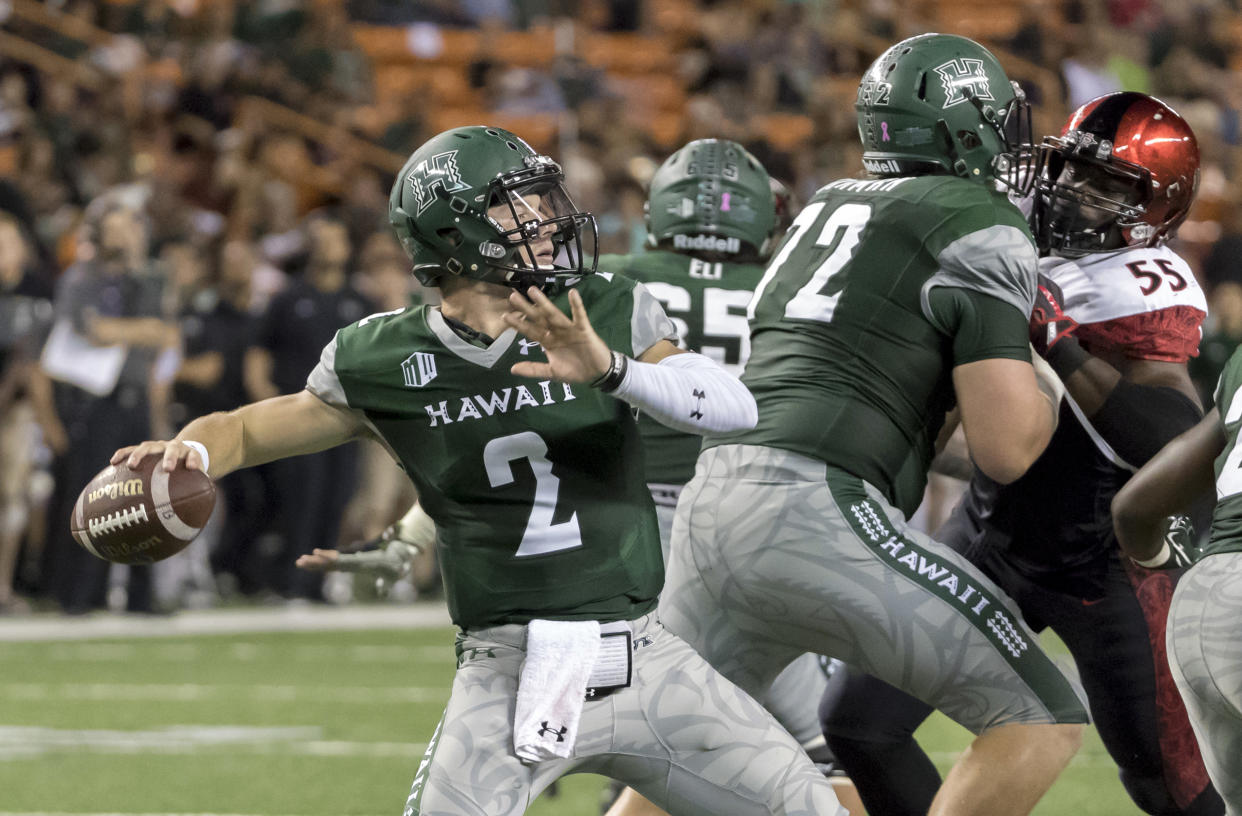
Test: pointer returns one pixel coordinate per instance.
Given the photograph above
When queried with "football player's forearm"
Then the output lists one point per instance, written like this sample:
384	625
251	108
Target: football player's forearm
1168	484
221	435
133	331
1088	379
688	392
276	428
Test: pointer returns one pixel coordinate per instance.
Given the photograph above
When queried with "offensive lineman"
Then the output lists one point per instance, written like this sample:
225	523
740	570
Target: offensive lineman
526	457
1108	193
711	221
888	301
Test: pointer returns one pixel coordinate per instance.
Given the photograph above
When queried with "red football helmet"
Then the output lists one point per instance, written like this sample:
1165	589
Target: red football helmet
1123	173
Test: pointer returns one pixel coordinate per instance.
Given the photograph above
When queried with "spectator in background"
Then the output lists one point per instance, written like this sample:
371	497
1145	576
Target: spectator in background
109	333
1221	335
299	322
25	314
217	325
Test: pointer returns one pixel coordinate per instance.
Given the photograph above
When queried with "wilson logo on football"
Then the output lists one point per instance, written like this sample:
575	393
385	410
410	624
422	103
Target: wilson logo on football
419	369
129	487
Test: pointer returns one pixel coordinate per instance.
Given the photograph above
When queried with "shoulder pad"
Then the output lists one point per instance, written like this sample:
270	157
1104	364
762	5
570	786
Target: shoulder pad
1144	302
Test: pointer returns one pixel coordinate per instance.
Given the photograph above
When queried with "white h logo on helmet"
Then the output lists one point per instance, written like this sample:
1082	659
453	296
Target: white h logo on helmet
438	171
419	369
962	73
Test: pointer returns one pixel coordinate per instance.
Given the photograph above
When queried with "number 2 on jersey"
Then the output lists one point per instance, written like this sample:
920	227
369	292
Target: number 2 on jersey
541	536
840	234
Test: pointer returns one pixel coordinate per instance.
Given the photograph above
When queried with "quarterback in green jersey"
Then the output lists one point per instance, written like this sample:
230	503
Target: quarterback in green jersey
1202	635
889	302
511	411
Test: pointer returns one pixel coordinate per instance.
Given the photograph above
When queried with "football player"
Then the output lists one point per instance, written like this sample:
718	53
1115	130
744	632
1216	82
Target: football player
510	409
1118	318
1202	633
888	301
712	215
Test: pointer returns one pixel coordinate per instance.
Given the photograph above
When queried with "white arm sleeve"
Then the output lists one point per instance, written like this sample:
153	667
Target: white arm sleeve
688	392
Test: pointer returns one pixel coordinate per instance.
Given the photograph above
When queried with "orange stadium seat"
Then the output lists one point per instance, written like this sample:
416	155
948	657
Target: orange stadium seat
786	131
979	19
538	129
530	49
629	53
392	44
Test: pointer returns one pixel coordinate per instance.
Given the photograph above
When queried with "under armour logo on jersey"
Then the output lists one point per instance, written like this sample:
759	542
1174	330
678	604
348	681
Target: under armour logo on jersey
419	369
439	171
962	73
697	413
546	731
527	345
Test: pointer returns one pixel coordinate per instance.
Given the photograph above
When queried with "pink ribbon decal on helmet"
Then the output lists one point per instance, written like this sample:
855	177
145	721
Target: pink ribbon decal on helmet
884	131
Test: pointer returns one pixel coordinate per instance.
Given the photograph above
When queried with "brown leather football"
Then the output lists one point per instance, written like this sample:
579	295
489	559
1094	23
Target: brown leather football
141	515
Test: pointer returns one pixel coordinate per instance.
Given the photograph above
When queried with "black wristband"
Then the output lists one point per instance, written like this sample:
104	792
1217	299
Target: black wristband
1066	357
610	379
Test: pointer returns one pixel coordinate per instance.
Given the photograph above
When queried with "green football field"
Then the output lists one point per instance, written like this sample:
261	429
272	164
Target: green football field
317	723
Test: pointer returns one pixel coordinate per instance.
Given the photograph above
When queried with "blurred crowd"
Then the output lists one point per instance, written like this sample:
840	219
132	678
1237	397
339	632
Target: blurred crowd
193	197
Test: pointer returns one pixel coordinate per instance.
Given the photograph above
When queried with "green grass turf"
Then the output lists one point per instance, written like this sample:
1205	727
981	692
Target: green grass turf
366	703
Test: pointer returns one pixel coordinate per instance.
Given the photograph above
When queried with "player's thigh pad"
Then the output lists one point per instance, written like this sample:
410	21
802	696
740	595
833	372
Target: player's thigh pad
805	556
693	743
793	698
680	734
469	767
1204	637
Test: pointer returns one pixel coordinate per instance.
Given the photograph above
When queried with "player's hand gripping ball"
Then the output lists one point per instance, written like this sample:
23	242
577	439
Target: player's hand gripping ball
142	515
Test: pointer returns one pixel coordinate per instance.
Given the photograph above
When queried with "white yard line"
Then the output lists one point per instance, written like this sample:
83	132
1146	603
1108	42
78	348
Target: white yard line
241	651
193	692
51	627
25	742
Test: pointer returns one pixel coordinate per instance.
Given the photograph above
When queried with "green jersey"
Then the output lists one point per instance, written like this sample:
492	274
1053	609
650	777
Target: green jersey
535	486
1227	518
707	303
877	291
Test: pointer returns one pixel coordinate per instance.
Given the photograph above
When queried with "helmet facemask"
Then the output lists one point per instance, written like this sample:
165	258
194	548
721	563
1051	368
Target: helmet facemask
1085	199
542	239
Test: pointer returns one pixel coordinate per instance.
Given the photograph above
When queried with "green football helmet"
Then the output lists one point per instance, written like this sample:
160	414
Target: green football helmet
712	199
939	103
478	202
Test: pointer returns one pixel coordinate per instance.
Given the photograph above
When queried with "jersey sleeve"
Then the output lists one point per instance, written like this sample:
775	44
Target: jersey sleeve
998	261
1168	335
982	327
649	323
324	382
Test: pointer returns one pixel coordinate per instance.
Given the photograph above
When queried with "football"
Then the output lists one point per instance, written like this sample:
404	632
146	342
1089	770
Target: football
141	515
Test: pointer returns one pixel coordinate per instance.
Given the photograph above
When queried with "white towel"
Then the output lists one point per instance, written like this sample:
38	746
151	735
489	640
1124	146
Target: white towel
552	688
